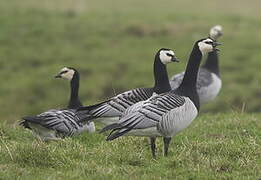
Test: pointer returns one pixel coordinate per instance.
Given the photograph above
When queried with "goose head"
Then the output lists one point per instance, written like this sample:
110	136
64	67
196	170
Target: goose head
167	55
66	73
207	45
215	32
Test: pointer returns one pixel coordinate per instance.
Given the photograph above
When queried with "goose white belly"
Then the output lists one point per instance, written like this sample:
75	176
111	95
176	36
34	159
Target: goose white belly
107	120
43	133
211	91
148	132
90	127
178	119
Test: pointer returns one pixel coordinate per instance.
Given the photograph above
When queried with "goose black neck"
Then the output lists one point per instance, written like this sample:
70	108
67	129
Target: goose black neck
188	85
161	77
74	101
211	63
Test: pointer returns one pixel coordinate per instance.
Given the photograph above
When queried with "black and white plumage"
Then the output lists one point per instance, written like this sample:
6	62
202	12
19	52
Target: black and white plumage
165	114
145	116
55	124
109	111
209	82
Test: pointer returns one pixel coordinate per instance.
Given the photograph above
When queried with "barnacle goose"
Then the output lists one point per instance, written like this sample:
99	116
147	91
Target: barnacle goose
166	114
109	111
209	82
55	124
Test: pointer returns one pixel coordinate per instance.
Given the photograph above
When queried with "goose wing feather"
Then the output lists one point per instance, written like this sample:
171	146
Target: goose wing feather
148	113
62	121
118	104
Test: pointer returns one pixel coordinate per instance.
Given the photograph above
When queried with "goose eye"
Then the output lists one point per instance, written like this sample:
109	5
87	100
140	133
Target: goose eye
208	42
168	54
63	72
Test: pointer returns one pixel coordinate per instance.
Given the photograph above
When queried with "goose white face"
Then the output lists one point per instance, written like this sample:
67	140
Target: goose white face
66	73
166	56
215	32
206	46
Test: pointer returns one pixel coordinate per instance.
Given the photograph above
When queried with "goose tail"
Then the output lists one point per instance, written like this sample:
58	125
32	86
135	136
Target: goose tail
110	127
27	119
84	112
87	109
24	124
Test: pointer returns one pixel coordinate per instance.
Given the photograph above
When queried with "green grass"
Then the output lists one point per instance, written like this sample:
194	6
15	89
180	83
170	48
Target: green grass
113	43
222	146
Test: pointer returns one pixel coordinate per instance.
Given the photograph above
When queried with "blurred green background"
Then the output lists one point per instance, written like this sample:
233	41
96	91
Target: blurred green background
113	43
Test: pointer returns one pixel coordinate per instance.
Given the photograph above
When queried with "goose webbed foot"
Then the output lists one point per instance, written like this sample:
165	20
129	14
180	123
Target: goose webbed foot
166	141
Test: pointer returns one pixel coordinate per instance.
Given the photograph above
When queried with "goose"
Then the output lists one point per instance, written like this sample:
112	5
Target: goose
55	124
109	111
165	115
209	82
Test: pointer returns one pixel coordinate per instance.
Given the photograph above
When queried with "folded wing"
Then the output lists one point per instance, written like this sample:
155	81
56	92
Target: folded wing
146	114
117	105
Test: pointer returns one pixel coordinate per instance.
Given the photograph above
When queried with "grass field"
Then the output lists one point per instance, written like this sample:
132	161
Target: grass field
113	43
222	146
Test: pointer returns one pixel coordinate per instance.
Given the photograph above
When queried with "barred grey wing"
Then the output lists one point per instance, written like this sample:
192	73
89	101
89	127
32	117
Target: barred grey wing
117	105
149	114
62	121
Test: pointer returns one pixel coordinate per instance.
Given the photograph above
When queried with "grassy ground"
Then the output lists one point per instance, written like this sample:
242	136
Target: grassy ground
113	43
222	146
